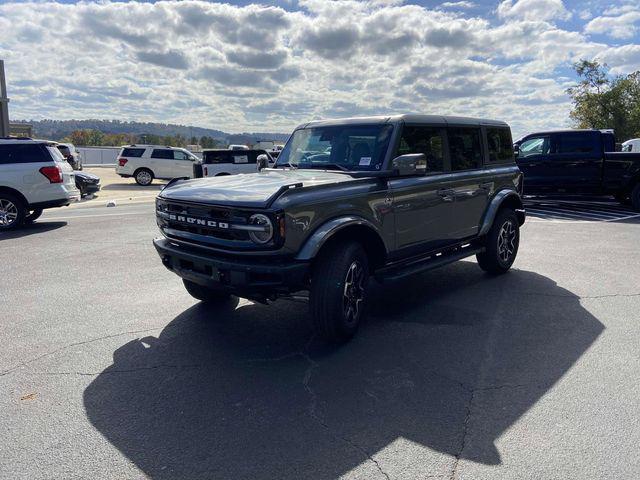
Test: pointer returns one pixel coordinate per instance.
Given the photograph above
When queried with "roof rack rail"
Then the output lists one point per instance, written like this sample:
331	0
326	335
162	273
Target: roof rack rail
15	138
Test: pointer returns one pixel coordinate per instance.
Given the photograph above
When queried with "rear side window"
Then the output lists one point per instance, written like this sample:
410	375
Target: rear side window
162	153
132	152
64	150
578	142
427	140
465	148
216	157
245	157
500	145
30	153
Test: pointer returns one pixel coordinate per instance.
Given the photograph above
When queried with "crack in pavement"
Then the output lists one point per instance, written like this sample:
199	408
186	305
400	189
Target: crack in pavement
75	344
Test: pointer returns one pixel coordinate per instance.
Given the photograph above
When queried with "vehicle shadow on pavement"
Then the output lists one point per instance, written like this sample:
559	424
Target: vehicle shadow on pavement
446	363
32	229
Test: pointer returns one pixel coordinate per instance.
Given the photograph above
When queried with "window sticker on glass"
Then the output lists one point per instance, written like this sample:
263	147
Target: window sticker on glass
366	161
241	159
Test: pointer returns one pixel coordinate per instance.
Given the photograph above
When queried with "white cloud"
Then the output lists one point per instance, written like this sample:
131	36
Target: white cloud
265	68
618	22
460	4
534	10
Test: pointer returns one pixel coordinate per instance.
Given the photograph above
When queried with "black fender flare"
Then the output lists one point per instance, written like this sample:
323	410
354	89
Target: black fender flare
327	230
497	201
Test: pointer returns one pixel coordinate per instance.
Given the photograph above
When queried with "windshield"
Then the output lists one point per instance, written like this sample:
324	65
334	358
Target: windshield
346	147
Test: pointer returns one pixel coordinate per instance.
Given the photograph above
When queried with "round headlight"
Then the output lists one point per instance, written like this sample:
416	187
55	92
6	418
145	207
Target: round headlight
266	232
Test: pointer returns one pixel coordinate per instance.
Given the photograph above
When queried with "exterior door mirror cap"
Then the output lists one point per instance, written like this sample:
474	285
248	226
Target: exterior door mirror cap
262	161
410	164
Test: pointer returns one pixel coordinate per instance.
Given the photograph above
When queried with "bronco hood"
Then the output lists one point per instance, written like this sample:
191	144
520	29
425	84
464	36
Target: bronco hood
255	190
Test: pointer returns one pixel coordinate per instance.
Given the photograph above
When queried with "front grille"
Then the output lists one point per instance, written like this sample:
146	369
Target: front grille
204	225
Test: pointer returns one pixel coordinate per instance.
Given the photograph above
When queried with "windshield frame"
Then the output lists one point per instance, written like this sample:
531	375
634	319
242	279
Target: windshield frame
393	134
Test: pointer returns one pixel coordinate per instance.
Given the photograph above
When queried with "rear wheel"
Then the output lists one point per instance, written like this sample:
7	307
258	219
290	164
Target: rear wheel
143	177
205	294
501	245
339	291
635	198
12	211
33	216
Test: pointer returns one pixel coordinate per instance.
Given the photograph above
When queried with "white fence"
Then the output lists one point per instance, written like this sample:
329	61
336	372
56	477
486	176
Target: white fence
99	155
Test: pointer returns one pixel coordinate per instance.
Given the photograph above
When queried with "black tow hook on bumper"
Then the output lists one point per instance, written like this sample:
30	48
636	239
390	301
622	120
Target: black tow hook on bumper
241	276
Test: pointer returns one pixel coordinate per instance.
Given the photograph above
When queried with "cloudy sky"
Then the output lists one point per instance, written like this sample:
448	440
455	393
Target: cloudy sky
244	66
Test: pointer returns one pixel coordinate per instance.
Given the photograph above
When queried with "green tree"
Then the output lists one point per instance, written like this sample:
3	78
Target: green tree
604	101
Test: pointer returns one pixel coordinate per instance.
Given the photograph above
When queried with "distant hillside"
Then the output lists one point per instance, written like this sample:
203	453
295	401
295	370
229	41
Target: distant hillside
58	129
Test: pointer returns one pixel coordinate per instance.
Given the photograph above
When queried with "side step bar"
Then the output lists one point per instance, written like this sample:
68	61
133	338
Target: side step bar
393	273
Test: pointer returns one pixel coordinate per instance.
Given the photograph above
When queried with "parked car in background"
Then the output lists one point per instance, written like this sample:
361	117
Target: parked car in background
238	147
33	176
146	162
632	145
349	200
229	162
578	162
71	154
87	183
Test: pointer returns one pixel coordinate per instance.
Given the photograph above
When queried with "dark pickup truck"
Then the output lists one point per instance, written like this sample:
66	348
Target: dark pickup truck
578	162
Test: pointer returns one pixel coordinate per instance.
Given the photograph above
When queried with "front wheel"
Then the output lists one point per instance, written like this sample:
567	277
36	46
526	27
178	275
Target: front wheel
205	294
144	177
339	291
33	216
501	246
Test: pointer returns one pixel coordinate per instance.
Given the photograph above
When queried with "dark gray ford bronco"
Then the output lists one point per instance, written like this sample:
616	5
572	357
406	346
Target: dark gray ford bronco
381	197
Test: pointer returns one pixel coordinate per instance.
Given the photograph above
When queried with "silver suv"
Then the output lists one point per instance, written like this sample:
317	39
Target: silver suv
33	176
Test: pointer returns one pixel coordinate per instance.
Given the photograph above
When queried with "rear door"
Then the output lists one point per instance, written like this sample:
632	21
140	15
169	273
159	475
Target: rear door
471	183
161	163
575	163
533	159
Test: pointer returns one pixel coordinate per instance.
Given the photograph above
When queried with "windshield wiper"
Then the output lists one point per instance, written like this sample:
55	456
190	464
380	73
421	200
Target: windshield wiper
327	166
290	165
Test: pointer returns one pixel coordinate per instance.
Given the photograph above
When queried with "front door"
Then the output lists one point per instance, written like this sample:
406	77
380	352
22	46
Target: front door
534	160
423	205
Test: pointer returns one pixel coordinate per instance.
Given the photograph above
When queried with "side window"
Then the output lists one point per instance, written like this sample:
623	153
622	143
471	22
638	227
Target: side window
132	152
240	158
180	155
216	157
465	148
500	145
534	146
31	153
162	153
427	140
578	142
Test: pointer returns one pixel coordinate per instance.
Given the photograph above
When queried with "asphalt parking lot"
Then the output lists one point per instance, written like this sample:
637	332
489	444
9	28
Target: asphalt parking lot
109	369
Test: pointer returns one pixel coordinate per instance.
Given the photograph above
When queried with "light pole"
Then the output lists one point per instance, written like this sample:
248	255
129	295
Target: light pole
4	104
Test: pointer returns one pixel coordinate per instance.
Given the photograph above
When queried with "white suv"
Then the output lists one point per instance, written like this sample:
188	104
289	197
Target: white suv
146	162
33	176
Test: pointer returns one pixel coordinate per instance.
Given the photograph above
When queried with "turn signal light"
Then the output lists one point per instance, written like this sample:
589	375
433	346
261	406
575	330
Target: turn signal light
53	174
122	161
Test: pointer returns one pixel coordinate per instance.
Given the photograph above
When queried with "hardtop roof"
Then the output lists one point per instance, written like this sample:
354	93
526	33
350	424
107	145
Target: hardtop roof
411	119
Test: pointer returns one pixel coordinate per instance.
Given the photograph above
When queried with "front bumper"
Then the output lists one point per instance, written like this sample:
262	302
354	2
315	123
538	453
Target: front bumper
241	276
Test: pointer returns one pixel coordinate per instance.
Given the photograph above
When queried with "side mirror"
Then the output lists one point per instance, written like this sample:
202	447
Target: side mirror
516	149
262	161
410	164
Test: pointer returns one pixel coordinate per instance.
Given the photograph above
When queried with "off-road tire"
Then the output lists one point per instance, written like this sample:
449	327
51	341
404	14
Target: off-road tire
33	216
339	291
205	294
15	212
501	243
143	176
635	198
